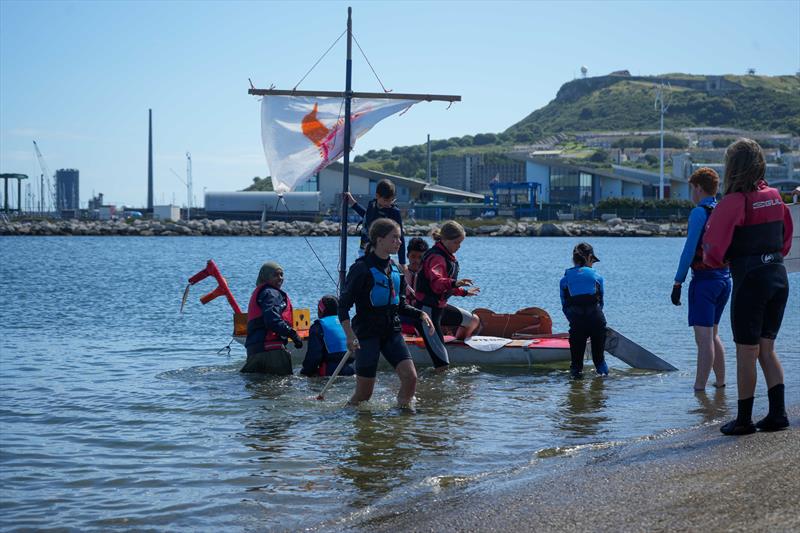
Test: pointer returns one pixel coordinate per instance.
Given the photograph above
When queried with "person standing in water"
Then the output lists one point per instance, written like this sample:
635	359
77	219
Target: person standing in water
436	281
710	287
375	285
269	319
752	229
581	291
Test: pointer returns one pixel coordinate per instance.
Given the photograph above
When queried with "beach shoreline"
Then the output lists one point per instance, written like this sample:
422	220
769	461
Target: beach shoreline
693	479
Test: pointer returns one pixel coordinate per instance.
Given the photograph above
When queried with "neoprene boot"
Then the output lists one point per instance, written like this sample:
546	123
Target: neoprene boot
776	418
743	424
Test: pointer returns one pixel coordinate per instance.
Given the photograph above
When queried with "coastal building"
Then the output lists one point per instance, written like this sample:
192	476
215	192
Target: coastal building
782	172
166	212
67	189
571	184
473	172
255	205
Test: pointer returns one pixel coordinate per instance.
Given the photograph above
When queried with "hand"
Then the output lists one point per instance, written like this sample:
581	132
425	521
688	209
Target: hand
426	320
404	270
298	343
349	198
352	344
676	294
472	291
463	282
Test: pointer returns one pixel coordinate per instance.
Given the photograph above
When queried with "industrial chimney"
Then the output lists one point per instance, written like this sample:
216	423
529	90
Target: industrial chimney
150	161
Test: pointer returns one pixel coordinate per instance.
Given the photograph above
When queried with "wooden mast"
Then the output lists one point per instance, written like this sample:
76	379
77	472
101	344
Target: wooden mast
348	95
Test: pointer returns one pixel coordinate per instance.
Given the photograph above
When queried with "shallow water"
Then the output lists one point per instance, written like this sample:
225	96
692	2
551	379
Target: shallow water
116	412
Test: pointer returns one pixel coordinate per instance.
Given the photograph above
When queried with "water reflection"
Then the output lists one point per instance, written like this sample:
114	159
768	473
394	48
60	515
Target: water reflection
582	413
384	451
711	408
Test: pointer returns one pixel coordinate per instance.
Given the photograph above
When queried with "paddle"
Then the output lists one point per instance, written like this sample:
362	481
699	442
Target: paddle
339	367
632	354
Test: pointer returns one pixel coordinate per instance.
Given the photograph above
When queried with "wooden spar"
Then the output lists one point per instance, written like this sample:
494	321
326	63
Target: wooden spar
346	171
339	94
348	95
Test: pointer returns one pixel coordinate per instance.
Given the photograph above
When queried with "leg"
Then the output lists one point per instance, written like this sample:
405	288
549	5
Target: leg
363	392
719	359
395	351
746	356
577	349
599	348
366	369
704	338
408	382
770	364
434	340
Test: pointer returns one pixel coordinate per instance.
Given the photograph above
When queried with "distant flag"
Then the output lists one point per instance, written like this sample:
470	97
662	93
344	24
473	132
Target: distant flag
303	135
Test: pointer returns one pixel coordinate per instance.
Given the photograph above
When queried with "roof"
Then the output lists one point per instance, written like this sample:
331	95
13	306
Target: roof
377	176
441	189
550	162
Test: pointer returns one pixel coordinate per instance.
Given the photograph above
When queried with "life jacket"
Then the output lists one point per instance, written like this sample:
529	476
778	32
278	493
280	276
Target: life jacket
762	230
335	342
257	330
373	213
376	311
697	260
422	286
582	286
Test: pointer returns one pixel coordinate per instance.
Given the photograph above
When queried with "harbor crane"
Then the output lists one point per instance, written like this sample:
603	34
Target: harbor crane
46	183
188	184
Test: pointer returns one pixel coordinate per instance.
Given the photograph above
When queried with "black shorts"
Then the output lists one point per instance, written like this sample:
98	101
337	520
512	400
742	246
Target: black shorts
760	292
455	317
393	348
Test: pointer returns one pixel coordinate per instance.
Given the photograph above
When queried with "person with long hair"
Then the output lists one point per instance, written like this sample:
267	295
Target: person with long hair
375	285
710	287
436	281
751	228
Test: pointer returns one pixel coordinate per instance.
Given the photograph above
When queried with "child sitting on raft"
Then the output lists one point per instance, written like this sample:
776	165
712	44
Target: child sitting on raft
327	342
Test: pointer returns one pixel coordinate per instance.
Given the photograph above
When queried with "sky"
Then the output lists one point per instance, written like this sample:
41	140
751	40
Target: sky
79	77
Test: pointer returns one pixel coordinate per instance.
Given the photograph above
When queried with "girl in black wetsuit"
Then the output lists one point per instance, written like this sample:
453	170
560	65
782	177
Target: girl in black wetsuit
751	228
376	286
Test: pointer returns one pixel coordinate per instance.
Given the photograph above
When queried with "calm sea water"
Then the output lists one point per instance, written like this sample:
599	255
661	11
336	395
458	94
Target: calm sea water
116	412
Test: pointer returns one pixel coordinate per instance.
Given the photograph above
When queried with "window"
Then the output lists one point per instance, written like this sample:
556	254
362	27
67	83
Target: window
311	185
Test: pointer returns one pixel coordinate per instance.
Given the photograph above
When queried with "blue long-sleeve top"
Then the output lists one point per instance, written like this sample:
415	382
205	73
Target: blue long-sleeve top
581	284
697	223
371	214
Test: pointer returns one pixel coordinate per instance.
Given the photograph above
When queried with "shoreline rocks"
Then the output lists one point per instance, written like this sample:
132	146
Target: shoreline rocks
614	227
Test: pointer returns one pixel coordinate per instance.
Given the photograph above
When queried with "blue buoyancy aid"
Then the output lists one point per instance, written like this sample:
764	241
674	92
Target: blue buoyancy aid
385	291
333	334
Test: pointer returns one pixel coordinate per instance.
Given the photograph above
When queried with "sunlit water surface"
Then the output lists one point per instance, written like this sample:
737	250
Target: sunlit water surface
117	412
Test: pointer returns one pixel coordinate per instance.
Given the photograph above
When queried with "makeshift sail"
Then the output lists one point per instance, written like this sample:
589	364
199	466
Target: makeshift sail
303	135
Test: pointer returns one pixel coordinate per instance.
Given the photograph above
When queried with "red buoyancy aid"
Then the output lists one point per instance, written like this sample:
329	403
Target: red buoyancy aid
424	289
747	224
255	322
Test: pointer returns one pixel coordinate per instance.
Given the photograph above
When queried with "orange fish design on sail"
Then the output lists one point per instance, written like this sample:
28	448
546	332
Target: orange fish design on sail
313	128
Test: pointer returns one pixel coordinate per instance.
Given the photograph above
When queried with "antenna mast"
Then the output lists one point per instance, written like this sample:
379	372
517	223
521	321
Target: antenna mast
189	185
661	105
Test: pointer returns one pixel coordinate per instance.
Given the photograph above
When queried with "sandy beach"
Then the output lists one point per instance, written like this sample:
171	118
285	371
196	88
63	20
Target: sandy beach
693	480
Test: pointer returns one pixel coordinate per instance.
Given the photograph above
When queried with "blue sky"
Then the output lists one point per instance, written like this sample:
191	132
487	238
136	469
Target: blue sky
79	77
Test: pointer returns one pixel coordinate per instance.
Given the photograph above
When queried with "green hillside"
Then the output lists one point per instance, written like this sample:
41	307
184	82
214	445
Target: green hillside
621	102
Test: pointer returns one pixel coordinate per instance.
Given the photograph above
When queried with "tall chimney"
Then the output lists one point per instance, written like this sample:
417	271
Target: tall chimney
150	161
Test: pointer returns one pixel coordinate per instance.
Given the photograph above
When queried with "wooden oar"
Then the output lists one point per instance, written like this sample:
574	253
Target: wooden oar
632	354
339	367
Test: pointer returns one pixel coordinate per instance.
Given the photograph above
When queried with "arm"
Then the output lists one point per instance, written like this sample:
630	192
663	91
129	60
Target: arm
788	230
563	292
401	253
697	220
270	303
601	291
358	209
314	352
434	269
728	214
353	284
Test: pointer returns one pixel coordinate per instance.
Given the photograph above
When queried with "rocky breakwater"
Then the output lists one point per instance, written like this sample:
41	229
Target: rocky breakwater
207	227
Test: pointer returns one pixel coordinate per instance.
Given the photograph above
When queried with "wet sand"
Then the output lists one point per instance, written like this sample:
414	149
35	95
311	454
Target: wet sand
697	479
